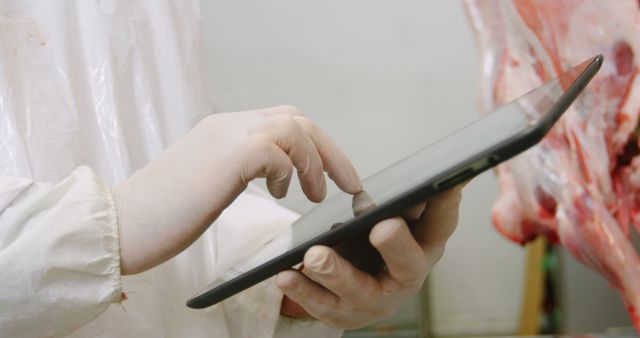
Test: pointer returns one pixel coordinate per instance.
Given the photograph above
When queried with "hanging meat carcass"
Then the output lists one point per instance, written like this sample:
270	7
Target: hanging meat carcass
581	185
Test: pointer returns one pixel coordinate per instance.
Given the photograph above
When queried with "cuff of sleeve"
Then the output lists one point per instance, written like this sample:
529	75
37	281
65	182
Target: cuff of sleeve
112	242
98	244
65	262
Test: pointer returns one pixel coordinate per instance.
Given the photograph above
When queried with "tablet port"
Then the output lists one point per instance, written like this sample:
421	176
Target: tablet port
455	179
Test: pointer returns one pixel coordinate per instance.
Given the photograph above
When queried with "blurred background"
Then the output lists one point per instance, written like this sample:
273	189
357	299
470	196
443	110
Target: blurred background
384	79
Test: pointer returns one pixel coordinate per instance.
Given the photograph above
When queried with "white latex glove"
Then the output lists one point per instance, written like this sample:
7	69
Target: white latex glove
166	205
330	288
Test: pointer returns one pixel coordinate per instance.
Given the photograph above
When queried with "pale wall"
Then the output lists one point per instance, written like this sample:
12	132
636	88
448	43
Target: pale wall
383	78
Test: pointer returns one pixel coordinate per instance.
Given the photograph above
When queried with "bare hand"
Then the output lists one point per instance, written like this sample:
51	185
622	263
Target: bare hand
335	292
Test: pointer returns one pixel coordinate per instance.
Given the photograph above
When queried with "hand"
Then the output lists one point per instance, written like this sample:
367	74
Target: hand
333	291
169	203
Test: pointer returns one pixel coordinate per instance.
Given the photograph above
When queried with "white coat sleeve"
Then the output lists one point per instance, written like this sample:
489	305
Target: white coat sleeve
59	254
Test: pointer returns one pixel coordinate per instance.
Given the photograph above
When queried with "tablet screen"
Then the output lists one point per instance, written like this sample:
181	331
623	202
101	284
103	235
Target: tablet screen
502	125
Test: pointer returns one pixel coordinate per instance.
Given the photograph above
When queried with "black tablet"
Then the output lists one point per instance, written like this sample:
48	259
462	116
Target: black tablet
490	140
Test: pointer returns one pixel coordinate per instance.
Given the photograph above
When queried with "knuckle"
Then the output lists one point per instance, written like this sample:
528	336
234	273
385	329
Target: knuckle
305	122
258	144
319	259
363	298
390	287
290	109
308	125
286	122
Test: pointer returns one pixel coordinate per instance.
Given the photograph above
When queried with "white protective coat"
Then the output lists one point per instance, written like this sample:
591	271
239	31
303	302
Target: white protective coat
108	84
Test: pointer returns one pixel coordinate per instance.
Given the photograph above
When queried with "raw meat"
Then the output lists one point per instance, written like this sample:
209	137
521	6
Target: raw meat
581	185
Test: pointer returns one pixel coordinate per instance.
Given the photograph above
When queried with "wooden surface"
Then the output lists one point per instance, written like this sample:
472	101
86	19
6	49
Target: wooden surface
532	292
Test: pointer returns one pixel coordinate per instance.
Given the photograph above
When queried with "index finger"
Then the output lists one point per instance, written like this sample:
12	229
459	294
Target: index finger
334	160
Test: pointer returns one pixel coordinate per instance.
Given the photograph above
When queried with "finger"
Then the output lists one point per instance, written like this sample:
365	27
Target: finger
362	203
277	169
316	300
289	136
438	221
413	214
403	256
335	162
327	268
292	309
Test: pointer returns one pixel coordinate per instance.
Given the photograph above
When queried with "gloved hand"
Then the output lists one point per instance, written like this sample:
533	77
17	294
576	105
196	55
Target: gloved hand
332	290
166	205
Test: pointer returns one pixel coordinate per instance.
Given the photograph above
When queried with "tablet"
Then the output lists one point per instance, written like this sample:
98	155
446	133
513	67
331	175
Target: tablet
490	140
